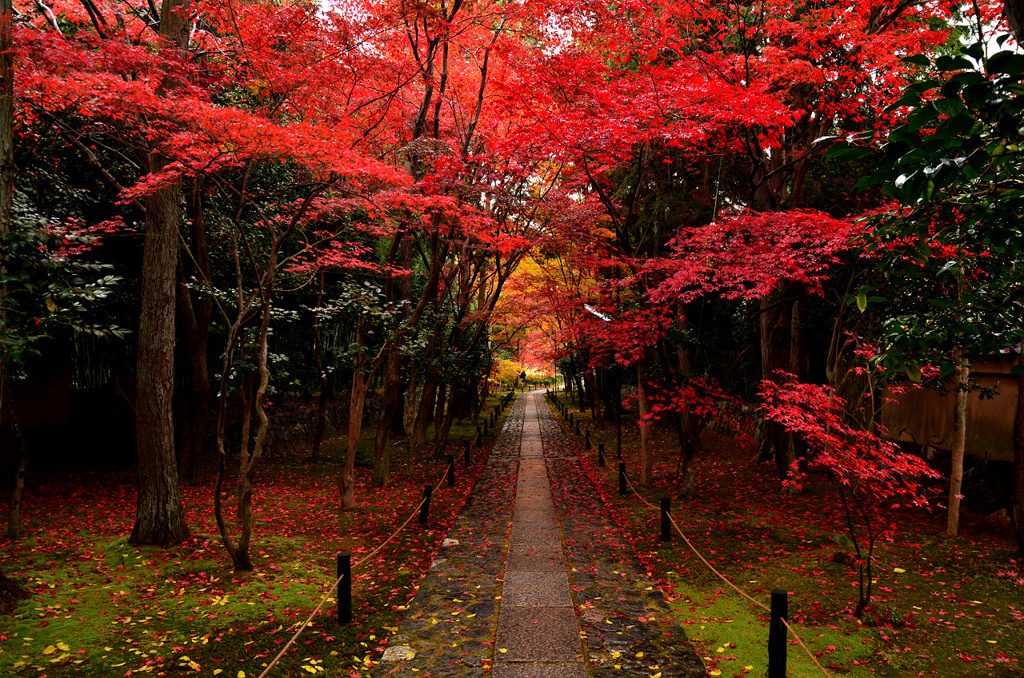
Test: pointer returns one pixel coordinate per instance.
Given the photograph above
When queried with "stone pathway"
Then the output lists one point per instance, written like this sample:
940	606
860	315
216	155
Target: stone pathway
534	579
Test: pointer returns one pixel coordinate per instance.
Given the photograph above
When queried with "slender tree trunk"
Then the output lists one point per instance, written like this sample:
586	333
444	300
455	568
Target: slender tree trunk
776	353
357	400
14	515
7	169
196	316
439	408
160	517
449	417
1017	502
425	411
321	406
241	558
646	452
956	471
385	427
6	203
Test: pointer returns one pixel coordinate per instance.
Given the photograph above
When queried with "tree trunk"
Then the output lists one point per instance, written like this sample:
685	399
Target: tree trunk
160	517
1017	502
321	406
446	426
196	316
425	411
7	168
776	353
439	408
956	471
385	427
646	453
1014	12
14	514
357	400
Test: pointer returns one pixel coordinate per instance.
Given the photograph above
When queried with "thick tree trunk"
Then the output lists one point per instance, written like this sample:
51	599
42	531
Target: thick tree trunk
160	517
956	471
1014	12
646	452
1017	502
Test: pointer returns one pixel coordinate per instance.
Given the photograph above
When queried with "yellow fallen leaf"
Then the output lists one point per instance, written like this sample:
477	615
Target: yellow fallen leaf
639	654
216	671
114	666
502	650
656	675
241	674
977	602
748	668
898	570
721	649
716	672
63	647
49	649
991	641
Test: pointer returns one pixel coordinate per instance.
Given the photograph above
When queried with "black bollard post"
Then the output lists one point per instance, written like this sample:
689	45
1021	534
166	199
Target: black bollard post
570	419
600	455
777	635
485	429
425	509
344	592
578	428
586	442
451	470
622	477
479	440
666	526
465	452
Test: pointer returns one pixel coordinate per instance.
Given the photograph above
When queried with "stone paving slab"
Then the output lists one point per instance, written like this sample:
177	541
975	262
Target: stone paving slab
534	670
538	516
538	634
536	589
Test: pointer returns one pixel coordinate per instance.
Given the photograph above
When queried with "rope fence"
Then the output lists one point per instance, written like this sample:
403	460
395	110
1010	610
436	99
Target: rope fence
625	479
327	596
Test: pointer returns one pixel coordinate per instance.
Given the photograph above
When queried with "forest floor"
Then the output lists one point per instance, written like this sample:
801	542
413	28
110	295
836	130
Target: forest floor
941	607
101	607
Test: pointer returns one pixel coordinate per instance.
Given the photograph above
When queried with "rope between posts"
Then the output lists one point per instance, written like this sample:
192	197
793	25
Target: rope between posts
326	597
801	642
726	579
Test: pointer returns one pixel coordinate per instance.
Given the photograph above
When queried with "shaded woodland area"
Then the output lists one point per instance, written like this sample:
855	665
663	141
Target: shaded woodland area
236	234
